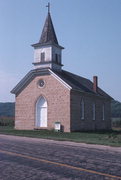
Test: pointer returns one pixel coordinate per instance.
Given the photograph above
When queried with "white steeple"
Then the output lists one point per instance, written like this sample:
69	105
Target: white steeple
48	53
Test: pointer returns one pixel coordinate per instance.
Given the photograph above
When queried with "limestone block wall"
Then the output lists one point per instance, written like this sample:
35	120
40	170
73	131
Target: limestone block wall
58	102
78	124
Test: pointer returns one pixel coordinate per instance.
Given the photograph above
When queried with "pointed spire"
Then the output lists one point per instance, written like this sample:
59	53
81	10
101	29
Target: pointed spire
48	34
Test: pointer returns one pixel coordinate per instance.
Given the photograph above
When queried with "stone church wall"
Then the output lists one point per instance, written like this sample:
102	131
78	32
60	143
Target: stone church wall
78	124
58	101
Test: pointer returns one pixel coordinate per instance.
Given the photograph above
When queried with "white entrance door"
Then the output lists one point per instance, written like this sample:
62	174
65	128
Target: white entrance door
43	117
41	112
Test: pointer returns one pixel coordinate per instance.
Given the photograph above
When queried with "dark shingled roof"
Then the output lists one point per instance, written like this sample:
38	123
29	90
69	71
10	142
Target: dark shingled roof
76	82
48	33
48	36
80	83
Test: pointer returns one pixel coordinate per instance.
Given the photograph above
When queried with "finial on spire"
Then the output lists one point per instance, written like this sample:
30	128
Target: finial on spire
48	6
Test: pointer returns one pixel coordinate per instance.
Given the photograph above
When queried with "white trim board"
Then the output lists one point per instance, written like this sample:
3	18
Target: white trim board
60	80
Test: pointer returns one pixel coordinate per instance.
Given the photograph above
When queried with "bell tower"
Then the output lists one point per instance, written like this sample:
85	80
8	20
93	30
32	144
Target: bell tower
47	52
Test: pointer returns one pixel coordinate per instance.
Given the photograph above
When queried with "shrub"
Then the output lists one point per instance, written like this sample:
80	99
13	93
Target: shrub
7	121
116	122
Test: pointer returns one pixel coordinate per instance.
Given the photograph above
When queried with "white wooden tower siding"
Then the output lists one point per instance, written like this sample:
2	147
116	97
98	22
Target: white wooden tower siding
47	52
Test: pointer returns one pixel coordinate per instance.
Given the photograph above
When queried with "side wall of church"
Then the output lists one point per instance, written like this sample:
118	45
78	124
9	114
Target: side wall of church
88	123
58	104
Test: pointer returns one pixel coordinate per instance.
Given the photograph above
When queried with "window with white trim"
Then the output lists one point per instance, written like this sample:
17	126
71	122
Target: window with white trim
93	111
82	109
103	112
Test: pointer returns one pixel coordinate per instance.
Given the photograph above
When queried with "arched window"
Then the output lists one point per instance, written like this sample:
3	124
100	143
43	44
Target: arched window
41	112
93	111
103	112
82	109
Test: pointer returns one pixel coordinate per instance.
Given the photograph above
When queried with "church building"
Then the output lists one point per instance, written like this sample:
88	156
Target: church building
48	94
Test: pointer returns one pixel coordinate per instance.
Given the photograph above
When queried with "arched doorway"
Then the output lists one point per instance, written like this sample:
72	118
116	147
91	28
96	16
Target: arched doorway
41	112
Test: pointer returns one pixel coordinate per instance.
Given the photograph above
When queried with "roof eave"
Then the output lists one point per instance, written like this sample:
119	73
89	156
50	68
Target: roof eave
92	94
27	79
46	44
47	62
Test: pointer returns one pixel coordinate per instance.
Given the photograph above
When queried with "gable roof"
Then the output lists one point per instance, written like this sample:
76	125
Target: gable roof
31	75
80	83
70	80
27	79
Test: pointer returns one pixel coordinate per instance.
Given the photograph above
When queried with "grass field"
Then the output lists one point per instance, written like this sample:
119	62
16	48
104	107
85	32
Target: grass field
112	138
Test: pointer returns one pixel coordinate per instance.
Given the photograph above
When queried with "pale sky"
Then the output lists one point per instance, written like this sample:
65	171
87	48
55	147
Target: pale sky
90	31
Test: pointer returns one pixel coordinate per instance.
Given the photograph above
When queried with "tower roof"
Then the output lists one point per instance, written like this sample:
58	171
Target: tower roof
48	34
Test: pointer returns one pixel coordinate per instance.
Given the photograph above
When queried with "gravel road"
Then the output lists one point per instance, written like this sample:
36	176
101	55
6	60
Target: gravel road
24	158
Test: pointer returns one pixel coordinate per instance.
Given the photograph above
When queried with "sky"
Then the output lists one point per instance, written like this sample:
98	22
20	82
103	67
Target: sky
90	31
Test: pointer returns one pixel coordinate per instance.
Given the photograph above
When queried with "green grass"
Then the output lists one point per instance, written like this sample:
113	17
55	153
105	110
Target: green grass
112	138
